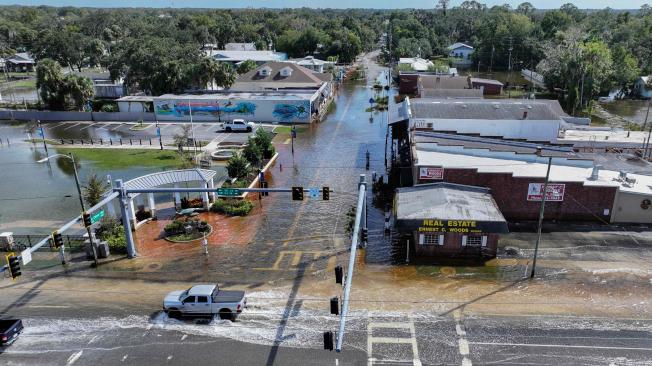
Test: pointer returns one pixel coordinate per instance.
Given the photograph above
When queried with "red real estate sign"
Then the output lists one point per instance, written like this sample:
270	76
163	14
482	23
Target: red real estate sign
431	173
554	192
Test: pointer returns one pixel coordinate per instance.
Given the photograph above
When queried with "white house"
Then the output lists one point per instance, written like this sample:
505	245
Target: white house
462	53
312	63
642	88
416	63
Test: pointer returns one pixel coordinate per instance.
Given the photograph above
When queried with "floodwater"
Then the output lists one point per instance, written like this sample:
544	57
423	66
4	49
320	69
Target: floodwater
633	110
35	197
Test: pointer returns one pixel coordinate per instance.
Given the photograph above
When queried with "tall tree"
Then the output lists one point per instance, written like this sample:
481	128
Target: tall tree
49	79
94	189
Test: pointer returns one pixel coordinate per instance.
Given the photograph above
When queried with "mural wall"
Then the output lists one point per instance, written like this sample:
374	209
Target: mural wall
286	111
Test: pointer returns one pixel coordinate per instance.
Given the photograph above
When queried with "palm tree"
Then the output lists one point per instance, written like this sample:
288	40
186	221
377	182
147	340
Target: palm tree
94	189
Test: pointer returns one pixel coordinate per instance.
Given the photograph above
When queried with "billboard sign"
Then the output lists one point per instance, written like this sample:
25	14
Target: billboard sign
431	173
554	192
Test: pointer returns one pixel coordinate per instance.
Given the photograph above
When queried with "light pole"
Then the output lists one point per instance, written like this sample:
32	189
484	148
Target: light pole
81	199
541	210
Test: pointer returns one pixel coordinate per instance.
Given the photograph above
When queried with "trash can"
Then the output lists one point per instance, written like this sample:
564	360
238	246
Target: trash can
103	250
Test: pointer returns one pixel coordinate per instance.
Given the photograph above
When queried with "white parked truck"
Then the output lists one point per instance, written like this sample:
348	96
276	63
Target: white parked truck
238	125
205	300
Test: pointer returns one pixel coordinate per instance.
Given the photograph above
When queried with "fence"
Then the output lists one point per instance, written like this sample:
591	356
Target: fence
56	116
120	142
73	243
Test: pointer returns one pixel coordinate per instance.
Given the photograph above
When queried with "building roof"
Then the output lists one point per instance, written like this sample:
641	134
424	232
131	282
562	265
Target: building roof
446	201
237	56
451	93
295	94
232	46
299	75
457	45
417	63
481	109
486	81
136	98
309	60
21	58
638	183
170	177
444	82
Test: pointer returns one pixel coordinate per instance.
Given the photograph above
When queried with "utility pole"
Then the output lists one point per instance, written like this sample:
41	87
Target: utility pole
509	65
541	211
491	62
38	123
293	135
160	136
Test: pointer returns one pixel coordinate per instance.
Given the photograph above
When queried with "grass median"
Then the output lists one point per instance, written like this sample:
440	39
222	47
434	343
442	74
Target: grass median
125	158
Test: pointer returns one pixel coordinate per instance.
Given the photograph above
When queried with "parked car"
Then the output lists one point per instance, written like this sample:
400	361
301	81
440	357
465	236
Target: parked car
10	329
238	125
205	300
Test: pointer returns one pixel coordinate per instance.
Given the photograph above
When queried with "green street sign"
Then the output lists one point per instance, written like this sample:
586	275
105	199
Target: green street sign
229	192
97	216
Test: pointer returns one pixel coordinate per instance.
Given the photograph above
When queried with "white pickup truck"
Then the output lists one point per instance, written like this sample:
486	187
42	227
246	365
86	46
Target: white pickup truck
238	125
205	300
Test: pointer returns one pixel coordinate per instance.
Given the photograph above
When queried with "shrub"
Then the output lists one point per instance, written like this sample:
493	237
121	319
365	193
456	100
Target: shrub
111	231
109	107
263	139
253	152
174	227
232	207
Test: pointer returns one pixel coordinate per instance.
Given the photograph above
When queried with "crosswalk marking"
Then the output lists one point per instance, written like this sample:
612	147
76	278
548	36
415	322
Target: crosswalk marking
295	259
392	340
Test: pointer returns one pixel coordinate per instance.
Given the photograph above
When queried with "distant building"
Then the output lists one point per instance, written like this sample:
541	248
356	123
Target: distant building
462	53
103	85
488	86
240	47
281	75
642	88
416	63
20	62
312	63
236	56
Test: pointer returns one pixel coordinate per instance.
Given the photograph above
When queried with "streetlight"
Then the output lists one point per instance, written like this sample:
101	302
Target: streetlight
541	210
81	200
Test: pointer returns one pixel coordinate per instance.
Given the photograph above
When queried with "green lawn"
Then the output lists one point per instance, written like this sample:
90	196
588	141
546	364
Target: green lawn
287	129
124	158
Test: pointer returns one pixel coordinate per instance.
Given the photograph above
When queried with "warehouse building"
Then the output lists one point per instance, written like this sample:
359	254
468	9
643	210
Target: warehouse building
447	220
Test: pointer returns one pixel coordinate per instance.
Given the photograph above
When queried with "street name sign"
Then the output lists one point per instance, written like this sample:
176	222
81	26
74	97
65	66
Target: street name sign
97	216
229	192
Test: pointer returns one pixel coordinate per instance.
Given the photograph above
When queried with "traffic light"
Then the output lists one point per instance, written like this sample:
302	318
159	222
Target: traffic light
335	306
297	193
57	239
328	340
364	235
339	274
14	265
87	219
326	193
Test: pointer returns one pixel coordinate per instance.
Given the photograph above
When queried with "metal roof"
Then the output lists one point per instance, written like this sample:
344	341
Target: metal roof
451	93
482	109
170	177
447	201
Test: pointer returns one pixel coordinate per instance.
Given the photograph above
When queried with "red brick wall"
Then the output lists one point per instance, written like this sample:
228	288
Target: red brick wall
453	246
408	84
510	193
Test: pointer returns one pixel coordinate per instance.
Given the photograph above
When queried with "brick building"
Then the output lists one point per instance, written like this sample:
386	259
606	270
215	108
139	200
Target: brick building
447	220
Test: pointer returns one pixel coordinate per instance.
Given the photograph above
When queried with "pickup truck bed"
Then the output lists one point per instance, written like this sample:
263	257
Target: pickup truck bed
228	296
9	330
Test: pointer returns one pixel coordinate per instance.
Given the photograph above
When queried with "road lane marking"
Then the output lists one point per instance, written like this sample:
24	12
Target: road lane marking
71	126
116	127
561	346
392	340
184	337
85	127
463	346
92	339
295	255
462	343
74	357
287	141
124	357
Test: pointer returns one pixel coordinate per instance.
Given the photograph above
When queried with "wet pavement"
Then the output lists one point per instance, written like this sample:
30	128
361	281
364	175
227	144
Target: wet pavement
589	303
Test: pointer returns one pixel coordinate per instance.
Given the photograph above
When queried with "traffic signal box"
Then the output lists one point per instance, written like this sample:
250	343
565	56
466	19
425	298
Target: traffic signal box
87	219
326	193
57	239
297	193
14	265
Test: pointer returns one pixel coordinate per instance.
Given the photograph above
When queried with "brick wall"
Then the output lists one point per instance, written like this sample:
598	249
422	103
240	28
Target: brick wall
453	246
583	203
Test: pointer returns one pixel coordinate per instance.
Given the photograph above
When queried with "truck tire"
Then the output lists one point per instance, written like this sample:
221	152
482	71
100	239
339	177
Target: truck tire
226	314
174	314
248	129
228	129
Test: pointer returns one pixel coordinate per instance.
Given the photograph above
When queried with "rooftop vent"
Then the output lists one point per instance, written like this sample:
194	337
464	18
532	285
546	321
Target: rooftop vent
595	173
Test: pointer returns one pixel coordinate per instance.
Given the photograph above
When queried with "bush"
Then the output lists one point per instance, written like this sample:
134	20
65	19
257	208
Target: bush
111	231
174	227
253	152
109	107
232	207
263	139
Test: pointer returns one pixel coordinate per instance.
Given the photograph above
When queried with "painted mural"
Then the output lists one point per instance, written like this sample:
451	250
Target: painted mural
180	108
286	112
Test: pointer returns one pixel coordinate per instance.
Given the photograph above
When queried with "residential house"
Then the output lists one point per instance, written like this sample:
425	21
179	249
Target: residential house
240	46
461	52
642	87
416	63
314	64
235	57
20	62
281	75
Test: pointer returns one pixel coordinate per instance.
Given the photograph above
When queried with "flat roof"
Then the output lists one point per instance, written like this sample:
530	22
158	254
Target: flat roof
604	136
135	98
263	95
529	169
482	109
446	201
